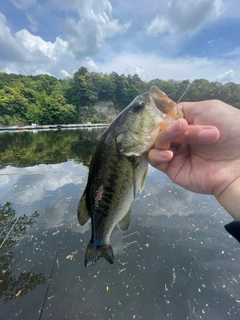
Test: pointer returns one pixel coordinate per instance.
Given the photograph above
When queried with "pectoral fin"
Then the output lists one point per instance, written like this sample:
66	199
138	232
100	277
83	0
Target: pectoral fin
125	222
83	215
143	179
138	178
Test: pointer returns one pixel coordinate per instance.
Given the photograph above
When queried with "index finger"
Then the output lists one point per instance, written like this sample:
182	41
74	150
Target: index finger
191	110
171	133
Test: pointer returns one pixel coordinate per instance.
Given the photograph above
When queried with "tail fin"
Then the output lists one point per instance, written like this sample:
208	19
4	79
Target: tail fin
234	229
94	253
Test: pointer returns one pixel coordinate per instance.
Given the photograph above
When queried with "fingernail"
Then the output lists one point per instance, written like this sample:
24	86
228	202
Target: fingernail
210	135
164	155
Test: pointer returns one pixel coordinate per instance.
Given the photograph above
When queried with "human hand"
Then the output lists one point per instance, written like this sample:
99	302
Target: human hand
202	152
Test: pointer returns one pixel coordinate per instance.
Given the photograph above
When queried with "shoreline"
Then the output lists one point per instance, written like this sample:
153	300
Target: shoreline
53	127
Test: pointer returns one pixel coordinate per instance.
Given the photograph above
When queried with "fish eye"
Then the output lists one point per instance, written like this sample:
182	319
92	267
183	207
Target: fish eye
138	106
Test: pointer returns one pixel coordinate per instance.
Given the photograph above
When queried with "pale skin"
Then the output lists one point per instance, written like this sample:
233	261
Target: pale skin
202	151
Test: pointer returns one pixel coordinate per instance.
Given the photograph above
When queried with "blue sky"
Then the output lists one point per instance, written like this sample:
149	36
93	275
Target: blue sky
171	39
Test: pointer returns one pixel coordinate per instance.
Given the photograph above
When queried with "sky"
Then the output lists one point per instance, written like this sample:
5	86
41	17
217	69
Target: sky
171	39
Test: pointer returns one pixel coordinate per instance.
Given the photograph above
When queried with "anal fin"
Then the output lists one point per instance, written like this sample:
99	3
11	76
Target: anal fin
124	223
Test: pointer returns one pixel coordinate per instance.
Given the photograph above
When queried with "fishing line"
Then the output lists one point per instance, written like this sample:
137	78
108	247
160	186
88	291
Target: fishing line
29	173
184	93
49	282
94	284
100	271
104	261
50	278
98	275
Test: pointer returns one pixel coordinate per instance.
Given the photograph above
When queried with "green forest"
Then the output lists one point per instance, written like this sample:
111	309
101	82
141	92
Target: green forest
44	99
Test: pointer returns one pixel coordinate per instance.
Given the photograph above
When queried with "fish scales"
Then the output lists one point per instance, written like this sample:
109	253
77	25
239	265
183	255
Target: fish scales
114	177
119	167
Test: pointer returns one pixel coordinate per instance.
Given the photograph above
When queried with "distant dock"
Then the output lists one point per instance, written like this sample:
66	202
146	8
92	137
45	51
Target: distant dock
53	127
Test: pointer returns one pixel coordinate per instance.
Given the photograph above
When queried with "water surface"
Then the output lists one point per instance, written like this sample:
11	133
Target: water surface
175	262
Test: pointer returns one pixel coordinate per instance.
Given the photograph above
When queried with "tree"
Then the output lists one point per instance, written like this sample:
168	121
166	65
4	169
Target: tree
107	89
121	94
52	110
47	100
13	105
14	285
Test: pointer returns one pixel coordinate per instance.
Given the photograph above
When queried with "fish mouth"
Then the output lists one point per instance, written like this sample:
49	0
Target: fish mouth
161	100
164	103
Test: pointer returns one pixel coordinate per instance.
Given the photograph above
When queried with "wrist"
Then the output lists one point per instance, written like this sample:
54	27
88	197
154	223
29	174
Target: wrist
230	199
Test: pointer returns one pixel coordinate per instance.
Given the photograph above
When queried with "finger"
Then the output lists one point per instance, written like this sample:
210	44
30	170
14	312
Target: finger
201	112
191	110
160	158
196	134
156	156
174	131
169	161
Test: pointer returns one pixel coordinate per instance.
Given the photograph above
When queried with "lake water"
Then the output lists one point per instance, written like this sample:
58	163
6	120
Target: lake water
175	262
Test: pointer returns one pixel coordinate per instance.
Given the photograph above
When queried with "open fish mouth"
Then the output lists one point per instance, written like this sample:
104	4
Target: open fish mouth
164	103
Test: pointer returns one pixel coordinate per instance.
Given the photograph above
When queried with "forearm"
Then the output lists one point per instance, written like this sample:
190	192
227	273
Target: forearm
230	199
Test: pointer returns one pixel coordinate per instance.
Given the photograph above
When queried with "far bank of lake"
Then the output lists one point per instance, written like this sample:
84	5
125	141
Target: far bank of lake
53	127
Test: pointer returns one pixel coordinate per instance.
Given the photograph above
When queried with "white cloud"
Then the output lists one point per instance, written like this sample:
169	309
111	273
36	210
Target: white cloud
33	23
56	59
90	64
185	16
80	37
84	8
234	53
11	49
64	73
139	70
154	66
227	76
7	70
87	35
158	25
26	53
34	43
85	40
23	4
147	66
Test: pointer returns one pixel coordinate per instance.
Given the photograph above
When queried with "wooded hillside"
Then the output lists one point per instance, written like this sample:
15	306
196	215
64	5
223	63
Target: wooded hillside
44	99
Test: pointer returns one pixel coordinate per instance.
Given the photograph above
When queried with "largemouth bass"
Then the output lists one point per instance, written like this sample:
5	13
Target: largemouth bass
119	168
